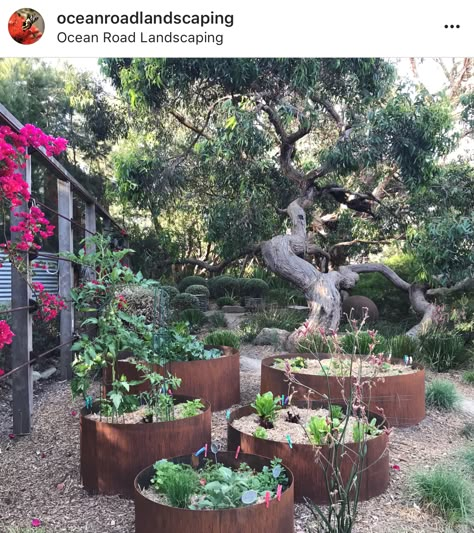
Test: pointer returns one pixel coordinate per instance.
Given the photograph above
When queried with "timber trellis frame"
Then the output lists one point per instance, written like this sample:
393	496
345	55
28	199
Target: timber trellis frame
22	326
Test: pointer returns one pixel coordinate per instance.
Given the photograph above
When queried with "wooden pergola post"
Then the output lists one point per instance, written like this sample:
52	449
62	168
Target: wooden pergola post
22	327
65	275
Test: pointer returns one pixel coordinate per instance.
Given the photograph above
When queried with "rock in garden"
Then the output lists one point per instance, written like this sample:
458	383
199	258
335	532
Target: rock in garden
36	375
359	305
272	336
233	309
48	372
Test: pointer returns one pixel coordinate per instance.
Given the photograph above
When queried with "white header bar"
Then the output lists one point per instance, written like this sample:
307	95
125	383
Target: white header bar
185	28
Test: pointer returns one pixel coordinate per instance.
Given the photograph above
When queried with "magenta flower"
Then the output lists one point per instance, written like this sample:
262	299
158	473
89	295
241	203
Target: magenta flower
73	413
396	467
36	522
11	435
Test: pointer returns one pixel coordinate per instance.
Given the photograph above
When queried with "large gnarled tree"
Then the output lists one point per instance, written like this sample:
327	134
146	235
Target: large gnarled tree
294	145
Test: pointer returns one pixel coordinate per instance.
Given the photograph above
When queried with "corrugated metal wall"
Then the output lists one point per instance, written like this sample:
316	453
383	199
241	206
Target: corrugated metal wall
49	278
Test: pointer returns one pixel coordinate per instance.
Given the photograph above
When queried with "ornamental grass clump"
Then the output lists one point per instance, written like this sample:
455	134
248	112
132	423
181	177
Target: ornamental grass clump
446	492
223	338
442	394
468	377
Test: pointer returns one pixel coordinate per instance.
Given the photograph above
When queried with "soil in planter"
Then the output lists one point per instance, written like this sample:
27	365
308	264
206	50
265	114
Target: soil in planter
136	417
341	368
296	431
245	479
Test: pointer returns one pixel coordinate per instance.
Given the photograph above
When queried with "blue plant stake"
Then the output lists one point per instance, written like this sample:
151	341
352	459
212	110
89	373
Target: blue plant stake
282	399
198	453
290	444
405	358
227	414
89	402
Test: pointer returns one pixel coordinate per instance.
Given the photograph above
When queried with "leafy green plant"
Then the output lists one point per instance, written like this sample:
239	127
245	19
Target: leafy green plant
198	290
402	345
170	290
267	407
192	408
157	398
191	280
286	319
468	377
225	300
314	343
181	487
318	429
260	433
360	429
185	301
336	411
223	338
194	317
442	394
217	320
441	349
359	343
466	459
445	491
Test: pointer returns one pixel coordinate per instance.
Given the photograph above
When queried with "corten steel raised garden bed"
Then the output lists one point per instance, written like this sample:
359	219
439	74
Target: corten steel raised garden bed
308	473
216	380
153	517
402	397
112	454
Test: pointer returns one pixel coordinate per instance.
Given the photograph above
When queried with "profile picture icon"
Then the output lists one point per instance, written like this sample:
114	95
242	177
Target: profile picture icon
26	26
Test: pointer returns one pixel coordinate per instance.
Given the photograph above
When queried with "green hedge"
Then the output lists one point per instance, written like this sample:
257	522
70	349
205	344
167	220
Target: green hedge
191	280
198	290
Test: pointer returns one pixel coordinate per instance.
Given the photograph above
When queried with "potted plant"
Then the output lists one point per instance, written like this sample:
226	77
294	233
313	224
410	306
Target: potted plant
122	432
395	387
225	492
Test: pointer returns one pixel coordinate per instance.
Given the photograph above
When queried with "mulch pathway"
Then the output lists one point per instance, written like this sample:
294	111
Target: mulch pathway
39	473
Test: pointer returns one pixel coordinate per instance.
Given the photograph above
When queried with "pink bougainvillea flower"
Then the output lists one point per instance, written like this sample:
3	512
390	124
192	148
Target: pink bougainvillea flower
11	435
396	467
73	413
36	522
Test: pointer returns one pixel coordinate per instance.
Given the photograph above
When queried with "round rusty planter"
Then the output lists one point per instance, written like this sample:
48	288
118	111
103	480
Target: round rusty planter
216	380
113	454
152	517
308	473
402	397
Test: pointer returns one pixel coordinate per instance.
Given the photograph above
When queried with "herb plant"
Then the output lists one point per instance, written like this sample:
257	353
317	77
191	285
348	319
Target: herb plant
192	408
267	407
318	429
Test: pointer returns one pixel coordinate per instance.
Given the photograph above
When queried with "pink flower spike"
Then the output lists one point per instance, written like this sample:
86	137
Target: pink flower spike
73	413
36	522
11	435
396	467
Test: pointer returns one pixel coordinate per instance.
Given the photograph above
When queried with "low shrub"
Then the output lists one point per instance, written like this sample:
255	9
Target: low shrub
446	492
225	300
191	280
402	345
223	338
223	286
170	290
359	343
185	301
468	377
194	317
198	290
313	343
286	319
440	349
255	288
442	394
217	320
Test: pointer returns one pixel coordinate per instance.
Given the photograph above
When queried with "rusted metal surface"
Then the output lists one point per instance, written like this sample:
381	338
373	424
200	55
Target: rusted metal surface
216	380
402	397
113	454
152	517
307	467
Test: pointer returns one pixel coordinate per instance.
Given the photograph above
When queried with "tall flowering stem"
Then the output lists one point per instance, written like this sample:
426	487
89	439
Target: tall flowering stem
32	226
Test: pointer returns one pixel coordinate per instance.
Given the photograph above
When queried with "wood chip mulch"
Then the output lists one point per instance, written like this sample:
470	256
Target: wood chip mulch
39	473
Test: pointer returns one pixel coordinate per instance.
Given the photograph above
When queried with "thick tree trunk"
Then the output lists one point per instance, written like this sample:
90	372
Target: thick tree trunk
284	255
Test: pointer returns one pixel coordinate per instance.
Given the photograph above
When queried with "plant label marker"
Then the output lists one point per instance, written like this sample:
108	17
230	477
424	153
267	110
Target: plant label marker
227	414
237	452
249	496
282	399
279	492
205	450
198	453
290	444
267	499
405	358
411	360
276	472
